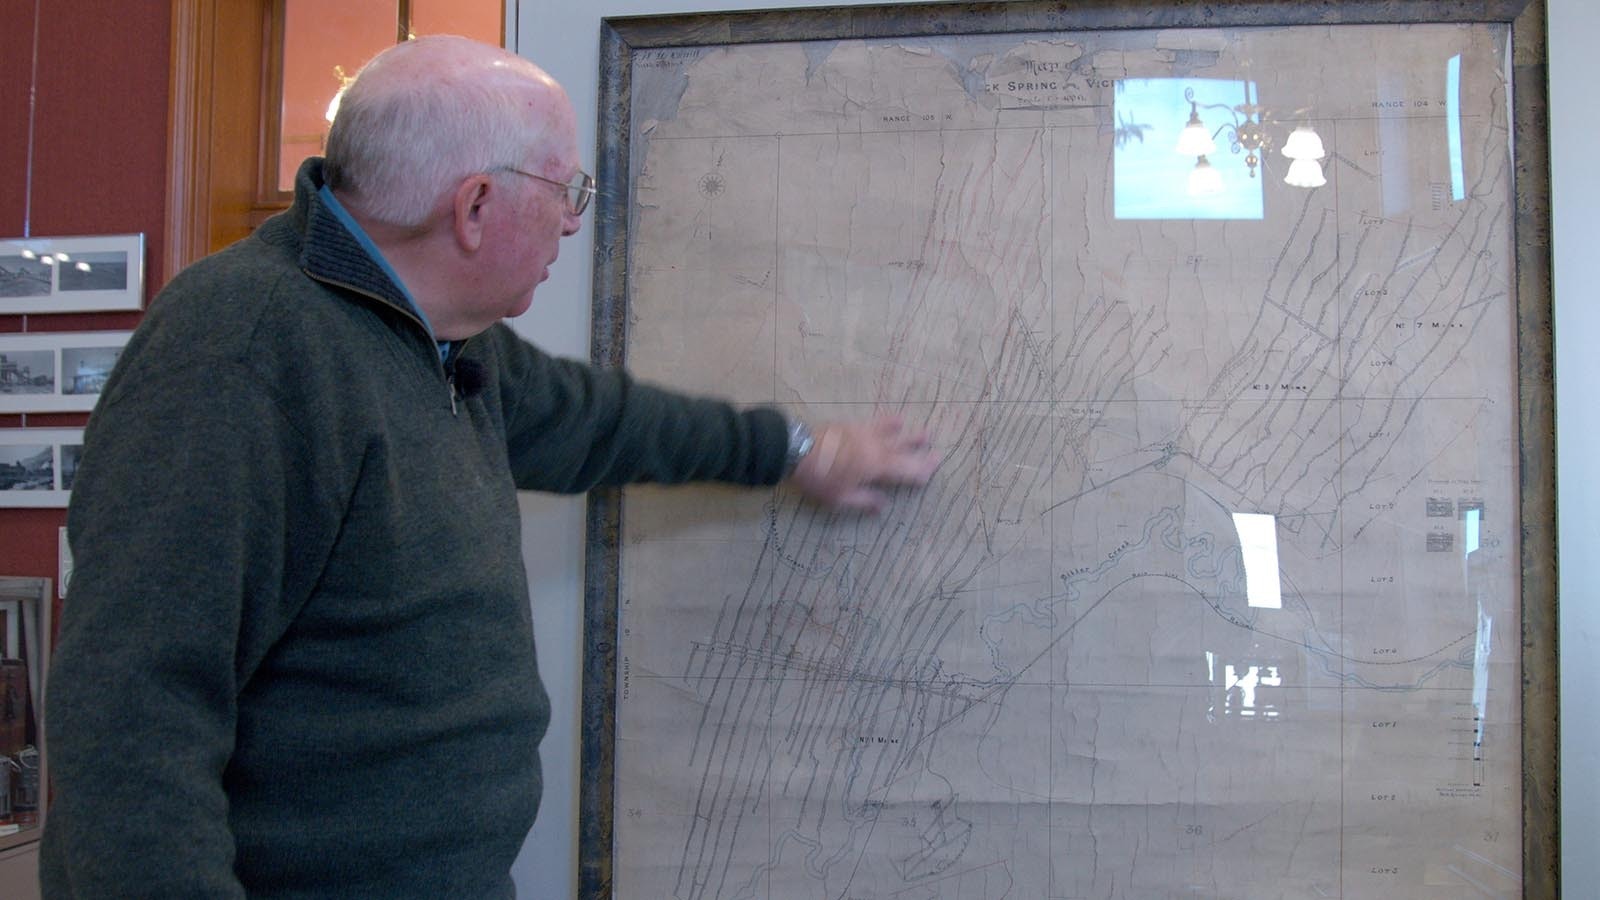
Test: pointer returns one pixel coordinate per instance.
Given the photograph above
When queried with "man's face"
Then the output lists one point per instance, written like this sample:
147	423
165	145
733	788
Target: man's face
551	220
535	217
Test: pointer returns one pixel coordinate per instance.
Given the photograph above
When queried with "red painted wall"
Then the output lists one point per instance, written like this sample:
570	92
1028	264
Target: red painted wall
87	80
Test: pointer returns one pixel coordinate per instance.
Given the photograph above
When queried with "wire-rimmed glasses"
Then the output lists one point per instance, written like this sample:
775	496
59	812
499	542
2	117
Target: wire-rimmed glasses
580	190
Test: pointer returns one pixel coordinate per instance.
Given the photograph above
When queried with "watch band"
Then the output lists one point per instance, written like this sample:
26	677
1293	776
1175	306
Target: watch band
800	444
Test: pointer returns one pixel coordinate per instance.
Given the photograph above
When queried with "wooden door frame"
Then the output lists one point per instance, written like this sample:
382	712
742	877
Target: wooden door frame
219	89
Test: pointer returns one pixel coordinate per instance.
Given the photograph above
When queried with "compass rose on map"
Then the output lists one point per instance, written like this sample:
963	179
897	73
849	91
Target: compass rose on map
712	184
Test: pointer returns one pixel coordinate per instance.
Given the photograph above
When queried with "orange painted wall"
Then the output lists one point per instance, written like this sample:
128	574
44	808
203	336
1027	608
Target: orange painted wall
320	36
347	34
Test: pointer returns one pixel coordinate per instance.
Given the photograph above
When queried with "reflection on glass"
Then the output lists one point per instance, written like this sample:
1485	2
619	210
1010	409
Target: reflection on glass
1472	519
1247	683
1304	143
1480	684
1305	173
1204	179
1258	544
1152	178
1195	139
1241	690
1452	109
85	369
1304	149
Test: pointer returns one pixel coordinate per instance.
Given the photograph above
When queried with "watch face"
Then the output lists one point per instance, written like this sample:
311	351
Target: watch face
800	441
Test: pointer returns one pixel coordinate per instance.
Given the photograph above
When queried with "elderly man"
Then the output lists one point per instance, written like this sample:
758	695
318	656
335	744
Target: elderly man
297	658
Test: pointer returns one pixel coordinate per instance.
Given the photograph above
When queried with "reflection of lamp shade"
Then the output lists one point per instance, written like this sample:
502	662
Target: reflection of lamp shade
1205	180
333	106
1194	140
1305	173
338	96
1303	143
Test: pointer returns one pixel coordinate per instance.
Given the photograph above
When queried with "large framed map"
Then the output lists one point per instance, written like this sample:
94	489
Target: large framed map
1231	321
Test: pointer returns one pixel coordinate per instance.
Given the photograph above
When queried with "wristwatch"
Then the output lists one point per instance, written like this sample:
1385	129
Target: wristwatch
800	443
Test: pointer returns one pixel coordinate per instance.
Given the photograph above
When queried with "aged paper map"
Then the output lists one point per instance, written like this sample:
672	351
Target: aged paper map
1215	593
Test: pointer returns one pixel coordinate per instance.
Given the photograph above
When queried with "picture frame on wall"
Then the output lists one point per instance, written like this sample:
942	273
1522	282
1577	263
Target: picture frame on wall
71	274
57	372
25	621
37	466
844	715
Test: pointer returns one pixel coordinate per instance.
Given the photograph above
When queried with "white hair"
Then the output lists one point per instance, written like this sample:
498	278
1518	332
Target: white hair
426	113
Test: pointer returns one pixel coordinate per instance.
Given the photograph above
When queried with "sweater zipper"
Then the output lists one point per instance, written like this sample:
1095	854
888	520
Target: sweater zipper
447	374
455	352
455	392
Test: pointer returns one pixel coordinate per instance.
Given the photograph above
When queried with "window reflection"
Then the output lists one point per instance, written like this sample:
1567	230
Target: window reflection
1452	103
1152	181
1244	690
1258	544
1472	517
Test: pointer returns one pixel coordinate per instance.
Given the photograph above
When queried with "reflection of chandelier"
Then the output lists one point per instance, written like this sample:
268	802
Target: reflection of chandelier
344	84
51	259
1247	131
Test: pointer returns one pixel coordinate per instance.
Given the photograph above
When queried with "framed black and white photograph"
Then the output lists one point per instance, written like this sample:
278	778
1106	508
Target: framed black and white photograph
58	372
71	274
37	466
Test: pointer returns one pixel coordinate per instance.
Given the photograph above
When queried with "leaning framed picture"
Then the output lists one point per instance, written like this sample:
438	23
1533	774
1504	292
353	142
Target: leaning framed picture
56	372
24	661
71	274
37	465
1231	323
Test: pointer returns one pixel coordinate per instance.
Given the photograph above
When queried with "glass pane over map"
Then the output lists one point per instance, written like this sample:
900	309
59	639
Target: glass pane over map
1215	593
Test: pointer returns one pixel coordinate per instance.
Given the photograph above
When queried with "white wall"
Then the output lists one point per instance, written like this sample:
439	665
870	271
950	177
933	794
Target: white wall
564	38
1574	135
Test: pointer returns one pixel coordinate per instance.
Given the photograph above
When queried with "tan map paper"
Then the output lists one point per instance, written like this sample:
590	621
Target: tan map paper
1215	593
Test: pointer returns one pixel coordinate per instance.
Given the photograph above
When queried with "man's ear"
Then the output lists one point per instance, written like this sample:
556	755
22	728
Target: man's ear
469	208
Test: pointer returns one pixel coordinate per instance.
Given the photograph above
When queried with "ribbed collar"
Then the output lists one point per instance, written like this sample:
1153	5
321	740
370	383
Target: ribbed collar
333	249
328	251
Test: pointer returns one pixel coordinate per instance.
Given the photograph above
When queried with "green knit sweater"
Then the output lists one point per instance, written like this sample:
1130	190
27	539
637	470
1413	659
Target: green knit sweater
297	658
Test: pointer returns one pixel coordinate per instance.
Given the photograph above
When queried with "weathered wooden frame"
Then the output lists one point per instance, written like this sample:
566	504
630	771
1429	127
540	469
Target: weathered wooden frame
18	593
622	37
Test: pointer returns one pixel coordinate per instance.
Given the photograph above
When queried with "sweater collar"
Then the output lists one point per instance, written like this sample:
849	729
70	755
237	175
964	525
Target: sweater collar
330	252
333	249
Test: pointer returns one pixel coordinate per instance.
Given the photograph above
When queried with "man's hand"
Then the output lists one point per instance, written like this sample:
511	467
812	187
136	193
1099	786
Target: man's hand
852	463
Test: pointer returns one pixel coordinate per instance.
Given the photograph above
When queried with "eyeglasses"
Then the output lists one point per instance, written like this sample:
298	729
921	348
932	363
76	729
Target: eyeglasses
580	190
